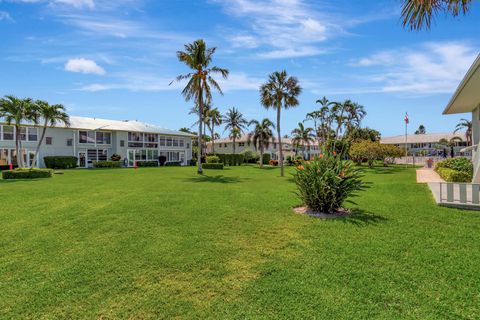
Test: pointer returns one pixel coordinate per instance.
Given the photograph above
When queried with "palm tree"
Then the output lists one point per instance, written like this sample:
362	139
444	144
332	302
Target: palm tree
465	124
280	91
261	136
236	123
51	115
418	13
198	58
326	118
15	111
355	114
214	118
303	136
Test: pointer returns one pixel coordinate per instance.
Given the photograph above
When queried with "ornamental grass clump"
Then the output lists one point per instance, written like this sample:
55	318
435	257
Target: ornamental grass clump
324	183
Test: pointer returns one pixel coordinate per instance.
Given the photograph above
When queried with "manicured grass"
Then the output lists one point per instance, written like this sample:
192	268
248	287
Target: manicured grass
164	242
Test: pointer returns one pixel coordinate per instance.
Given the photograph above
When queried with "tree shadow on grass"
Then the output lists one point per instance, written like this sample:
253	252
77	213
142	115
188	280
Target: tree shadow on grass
363	218
384	170
216	179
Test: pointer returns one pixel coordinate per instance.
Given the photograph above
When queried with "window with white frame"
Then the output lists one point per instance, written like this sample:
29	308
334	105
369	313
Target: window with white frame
97	154
241	144
86	136
28	134
8	133
103	137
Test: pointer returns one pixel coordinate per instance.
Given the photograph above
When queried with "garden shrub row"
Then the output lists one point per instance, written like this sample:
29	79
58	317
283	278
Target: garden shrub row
213	159
451	175
107	164
60	162
455	169
217	166
266	158
27	174
231	159
143	164
173	164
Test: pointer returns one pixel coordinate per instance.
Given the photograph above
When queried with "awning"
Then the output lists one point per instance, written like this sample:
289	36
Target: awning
467	96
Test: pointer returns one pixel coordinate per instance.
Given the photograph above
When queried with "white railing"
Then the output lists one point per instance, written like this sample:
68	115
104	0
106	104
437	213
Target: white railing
456	193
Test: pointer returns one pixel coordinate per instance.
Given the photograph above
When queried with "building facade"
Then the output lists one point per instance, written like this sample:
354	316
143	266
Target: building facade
91	139
225	146
431	144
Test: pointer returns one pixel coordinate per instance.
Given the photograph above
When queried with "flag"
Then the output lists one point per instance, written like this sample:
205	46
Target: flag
406	118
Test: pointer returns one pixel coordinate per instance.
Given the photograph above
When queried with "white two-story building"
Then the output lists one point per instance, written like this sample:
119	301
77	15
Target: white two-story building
91	139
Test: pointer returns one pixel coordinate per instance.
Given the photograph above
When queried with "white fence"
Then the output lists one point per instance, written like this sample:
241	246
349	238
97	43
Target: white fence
463	194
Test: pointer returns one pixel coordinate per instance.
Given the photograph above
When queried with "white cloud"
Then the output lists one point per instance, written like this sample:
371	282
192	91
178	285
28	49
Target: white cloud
77	3
150	82
426	69
5	16
288	28
84	66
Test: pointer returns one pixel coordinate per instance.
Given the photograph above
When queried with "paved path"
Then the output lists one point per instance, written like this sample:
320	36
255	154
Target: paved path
425	175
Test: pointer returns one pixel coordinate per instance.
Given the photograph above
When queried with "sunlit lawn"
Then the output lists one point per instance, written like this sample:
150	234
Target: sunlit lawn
164	242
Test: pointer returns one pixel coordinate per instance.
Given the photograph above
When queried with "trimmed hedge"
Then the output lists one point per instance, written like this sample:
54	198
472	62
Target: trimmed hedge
216	166
230	159
60	162
107	164
460	164
27	174
451	175
144	164
212	159
173	164
266	158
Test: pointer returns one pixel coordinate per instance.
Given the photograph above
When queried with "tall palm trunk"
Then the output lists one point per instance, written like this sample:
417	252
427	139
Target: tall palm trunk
18	146
35	157
200	123
213	138
261	155
204	145
279	139
234	144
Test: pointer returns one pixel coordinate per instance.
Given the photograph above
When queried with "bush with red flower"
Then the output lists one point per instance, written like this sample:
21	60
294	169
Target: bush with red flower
325	183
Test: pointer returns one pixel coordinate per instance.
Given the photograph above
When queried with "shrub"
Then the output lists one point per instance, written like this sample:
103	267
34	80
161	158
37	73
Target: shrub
250	156
60	162
115	157
107	164
366	150
452	175
27	174
213	159
266	158
273	162
460	164
230	159
217	166
193	162
324	183
173	164
144	164
289	161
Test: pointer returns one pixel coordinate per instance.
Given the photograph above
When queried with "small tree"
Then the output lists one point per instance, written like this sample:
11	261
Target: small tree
366	150
390	152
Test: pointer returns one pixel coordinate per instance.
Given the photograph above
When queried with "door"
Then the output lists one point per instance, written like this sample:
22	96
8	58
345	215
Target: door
82	160
131	157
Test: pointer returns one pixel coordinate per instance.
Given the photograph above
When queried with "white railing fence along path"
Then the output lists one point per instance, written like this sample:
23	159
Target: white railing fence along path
456	193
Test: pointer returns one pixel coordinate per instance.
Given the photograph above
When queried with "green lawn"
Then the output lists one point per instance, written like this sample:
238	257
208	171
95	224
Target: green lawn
164	242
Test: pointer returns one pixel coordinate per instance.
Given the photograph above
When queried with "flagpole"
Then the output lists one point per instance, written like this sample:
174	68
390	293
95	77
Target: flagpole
406	131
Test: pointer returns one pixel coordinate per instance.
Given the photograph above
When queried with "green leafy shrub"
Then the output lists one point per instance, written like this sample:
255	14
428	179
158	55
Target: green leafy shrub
116	157
193	162
143	164
27	174
213	159
174	164
452	175
250	156
324	183
60	162
107	164
460	164
266	158
217	166
230	159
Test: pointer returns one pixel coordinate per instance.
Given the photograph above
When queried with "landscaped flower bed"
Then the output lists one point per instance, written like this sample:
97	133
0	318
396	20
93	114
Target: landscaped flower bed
455	170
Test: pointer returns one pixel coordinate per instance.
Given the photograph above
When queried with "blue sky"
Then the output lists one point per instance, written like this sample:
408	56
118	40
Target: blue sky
114	59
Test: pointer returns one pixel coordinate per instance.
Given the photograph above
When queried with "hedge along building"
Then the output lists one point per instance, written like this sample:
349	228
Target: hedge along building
225	146
467	99
92	139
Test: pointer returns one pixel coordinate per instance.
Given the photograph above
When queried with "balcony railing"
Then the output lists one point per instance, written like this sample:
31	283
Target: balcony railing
462	194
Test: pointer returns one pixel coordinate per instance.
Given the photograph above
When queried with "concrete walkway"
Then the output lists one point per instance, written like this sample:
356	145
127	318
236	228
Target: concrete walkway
425	175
